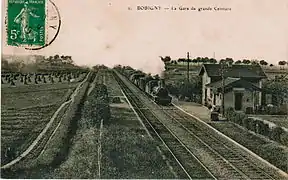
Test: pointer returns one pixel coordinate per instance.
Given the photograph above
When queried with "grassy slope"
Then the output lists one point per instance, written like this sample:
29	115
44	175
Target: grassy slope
271	151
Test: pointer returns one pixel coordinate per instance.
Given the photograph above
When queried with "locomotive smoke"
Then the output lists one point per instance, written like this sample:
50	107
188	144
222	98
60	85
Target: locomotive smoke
157	67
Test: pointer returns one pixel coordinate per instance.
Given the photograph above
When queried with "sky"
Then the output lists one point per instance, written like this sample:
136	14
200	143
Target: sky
107	32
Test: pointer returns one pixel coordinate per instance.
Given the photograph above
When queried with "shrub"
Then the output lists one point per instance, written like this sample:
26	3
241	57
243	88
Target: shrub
276	133
240	117
44	80
249	110
12	82
261	127
98	106
172	88
25	80
252	124
245	122
116	100
266	129
29	79
229	113
284	138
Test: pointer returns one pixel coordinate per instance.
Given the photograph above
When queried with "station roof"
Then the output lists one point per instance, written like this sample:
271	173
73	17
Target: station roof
235	70
230	83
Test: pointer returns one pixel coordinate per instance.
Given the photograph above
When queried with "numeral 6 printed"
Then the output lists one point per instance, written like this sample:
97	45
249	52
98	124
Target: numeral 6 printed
13	35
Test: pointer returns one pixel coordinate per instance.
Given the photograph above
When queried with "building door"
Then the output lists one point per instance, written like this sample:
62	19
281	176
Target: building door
238	101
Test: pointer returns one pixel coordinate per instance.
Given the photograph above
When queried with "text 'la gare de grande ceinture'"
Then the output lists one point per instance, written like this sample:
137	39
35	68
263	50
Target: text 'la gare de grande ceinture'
180	8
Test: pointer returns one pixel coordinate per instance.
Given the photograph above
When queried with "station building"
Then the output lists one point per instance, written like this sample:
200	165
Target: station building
242	86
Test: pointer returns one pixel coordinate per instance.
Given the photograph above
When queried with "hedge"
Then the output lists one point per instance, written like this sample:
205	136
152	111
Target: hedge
276	133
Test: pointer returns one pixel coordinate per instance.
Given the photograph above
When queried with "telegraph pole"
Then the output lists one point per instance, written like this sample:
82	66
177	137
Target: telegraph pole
188	67
223	88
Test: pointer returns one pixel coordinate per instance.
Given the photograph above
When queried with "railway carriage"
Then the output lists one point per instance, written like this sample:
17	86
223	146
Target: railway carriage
135	78
155	88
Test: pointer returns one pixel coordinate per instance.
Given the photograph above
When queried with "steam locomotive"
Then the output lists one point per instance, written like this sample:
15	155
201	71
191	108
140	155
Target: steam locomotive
153	87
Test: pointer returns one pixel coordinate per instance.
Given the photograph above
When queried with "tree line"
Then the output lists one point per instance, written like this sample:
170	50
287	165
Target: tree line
20	65
167	59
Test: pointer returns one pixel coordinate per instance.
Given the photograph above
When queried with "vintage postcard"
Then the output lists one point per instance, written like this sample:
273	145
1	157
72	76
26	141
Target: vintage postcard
141	89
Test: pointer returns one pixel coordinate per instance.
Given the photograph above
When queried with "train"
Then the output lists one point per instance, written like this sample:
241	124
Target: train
153	87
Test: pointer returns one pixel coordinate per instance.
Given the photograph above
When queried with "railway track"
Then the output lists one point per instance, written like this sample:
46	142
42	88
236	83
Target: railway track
225	155
190	165
236	163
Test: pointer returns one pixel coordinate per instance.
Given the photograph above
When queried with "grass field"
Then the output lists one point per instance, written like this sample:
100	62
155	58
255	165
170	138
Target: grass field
178	73
25	111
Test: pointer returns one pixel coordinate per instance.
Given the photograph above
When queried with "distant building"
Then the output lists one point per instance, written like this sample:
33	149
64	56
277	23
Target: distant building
242	86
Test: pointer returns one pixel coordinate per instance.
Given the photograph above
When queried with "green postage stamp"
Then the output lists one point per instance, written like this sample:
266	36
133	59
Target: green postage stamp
26	20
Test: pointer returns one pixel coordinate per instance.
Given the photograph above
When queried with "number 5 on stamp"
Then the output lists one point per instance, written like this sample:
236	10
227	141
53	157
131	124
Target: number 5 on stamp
26	22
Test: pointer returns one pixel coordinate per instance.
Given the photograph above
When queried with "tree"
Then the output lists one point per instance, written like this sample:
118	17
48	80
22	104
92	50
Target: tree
181	60
271	65
56	56
282	63
238	62
4	64
156	76
222	61
229	60
205	60
263	63
195	61
246	61
278	89
212	60
199	60
166	59
254	62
